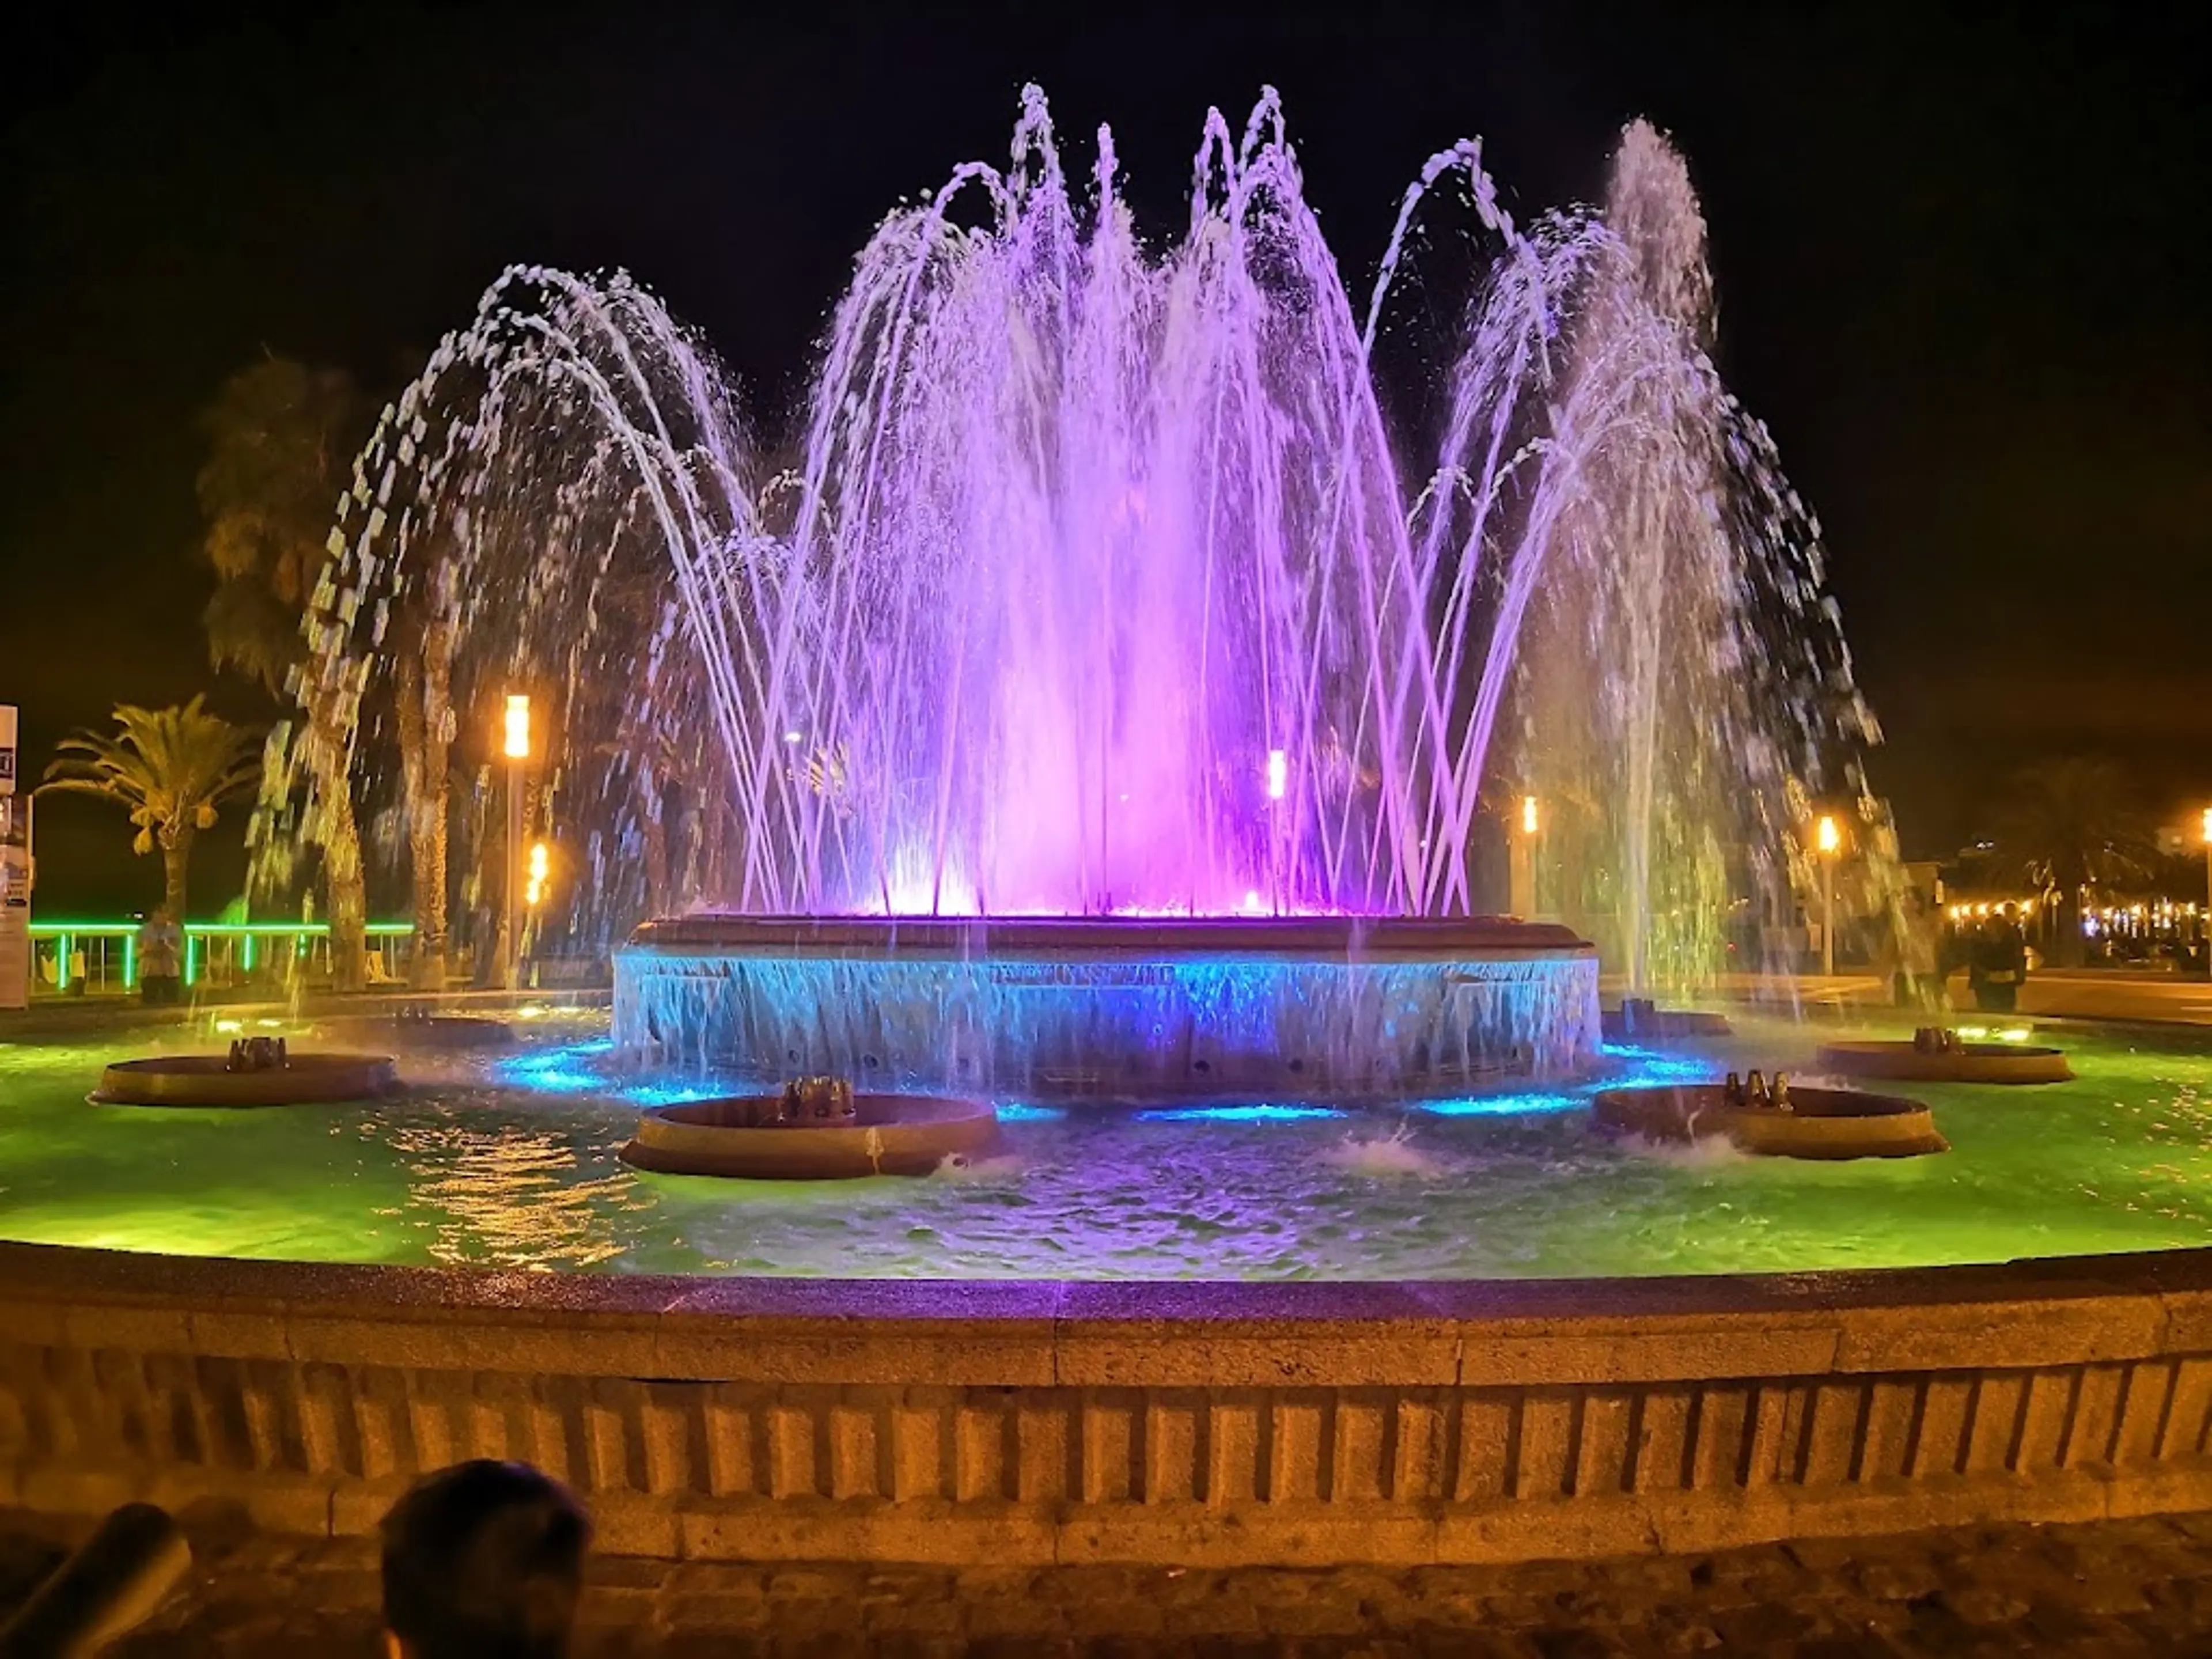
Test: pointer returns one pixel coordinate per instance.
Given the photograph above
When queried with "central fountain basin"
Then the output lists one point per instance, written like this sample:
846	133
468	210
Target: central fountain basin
1120	1008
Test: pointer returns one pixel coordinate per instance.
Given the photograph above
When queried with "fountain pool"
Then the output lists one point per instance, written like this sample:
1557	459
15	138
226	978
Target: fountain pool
511	1160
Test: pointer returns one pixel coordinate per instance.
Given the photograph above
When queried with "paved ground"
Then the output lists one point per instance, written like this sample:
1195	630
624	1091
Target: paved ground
2050	993
2119	1588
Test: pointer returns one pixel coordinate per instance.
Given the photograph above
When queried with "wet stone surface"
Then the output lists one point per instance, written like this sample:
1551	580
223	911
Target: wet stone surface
2138	1586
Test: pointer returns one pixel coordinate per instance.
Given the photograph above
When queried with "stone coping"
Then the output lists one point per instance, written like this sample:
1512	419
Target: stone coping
2038	1311
1324	940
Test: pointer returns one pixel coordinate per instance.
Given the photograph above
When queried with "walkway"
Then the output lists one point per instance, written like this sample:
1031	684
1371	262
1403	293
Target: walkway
2137	1587
2118	993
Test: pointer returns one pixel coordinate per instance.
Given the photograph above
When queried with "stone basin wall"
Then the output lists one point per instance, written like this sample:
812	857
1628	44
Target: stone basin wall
1025	1424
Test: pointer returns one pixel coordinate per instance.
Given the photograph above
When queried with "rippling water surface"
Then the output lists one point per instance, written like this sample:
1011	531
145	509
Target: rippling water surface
513	1162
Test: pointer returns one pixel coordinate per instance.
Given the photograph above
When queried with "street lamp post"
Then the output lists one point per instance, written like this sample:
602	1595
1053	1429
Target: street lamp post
517	750
2207	929
1828	839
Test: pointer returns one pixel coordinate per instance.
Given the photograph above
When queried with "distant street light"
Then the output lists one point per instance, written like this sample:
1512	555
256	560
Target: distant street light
1830	841
516	747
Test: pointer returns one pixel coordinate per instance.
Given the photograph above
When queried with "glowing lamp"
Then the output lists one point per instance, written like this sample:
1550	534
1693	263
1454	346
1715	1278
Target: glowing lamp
541	864
1528	815
517	726
2208	826
1279	773
794	737
1827	836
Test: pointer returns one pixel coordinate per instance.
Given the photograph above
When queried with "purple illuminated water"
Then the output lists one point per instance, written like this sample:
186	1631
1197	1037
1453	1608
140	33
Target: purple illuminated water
1097	575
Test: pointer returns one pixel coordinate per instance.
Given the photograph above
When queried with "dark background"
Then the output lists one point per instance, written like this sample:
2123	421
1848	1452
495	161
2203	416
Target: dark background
1963	266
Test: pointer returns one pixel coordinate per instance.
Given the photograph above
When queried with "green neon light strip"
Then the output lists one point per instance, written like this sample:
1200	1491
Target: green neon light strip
215	929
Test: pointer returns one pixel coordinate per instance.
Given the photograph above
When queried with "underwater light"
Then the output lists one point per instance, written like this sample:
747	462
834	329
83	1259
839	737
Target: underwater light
671	1094
556	1071
1650	1065
1499	1105
1269	1114
559	1080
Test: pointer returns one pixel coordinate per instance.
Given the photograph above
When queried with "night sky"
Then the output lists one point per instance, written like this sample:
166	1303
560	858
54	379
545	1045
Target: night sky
1965	275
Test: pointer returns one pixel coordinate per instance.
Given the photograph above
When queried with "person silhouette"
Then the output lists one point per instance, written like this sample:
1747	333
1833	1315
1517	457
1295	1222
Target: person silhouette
484	1560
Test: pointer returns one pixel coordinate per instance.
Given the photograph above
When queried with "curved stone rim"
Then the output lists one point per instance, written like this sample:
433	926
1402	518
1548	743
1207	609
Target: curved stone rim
1900	1062
1826	1123
894	1135
1110	938
182	1081
68	1274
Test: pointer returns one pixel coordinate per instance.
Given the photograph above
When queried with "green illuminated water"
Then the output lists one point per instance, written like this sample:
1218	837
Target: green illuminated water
513	1162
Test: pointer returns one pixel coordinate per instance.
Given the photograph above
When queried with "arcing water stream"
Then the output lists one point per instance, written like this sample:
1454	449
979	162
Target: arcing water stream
1095	579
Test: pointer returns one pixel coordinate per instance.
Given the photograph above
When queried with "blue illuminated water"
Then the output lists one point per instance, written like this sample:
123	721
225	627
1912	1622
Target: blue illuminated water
1176	1023
1259	1112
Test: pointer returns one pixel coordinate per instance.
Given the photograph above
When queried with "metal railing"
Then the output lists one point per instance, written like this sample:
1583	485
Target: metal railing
81	958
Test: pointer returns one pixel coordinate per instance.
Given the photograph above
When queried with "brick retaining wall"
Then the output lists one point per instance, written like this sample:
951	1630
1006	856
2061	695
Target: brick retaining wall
1014	1424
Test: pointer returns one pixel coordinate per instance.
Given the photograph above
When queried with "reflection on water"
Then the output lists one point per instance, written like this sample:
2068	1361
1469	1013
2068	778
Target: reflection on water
505	1196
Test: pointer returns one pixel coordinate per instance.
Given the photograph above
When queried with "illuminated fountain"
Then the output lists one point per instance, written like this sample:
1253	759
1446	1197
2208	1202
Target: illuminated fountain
1093	587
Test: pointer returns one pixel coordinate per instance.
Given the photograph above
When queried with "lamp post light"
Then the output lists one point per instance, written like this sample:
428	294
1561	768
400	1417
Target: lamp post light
2207	929
516	747
535	889
1829	840
1520	872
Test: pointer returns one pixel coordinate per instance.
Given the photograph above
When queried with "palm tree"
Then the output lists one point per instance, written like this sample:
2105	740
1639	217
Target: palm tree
281	440
2067	824
172	768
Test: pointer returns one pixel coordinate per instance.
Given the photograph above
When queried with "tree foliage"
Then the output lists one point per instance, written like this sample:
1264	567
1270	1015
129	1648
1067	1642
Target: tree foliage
281	440
171	769
2067	825
2072	823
